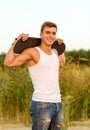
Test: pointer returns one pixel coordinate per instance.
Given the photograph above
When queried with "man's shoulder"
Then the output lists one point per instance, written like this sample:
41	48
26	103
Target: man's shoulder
31	51
56	52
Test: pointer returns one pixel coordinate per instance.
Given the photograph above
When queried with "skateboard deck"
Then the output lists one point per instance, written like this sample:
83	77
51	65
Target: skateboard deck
33	42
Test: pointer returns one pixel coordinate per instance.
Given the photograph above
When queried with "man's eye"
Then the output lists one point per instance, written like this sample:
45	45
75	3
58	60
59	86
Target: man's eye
54	33
47	32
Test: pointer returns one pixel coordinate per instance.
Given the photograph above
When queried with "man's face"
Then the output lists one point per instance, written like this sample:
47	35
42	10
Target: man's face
48	35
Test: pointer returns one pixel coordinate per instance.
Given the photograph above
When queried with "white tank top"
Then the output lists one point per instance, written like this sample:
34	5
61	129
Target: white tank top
45	78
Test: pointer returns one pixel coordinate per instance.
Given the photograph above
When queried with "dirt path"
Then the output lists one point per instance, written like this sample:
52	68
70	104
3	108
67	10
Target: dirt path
28	128
79	128
15	126
80	125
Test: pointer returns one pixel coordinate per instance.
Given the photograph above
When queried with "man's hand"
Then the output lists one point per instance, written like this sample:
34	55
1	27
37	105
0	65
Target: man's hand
60	41
23	36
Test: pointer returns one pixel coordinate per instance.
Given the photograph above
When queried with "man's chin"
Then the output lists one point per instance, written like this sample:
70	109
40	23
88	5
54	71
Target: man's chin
50	43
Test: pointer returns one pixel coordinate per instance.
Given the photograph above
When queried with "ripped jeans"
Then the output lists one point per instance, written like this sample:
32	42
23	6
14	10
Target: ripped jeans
46	116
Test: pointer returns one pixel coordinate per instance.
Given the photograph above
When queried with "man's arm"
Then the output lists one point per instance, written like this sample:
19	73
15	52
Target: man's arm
62	56
11	59
62	60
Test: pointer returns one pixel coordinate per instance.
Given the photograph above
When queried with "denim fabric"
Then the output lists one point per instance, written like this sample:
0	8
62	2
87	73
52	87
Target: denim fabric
45	116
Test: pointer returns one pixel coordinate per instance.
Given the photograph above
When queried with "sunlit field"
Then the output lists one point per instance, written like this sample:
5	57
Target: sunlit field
16	92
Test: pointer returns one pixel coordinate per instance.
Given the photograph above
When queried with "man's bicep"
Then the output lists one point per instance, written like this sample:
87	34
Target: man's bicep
21	59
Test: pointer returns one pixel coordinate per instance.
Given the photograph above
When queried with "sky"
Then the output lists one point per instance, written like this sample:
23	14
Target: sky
26	16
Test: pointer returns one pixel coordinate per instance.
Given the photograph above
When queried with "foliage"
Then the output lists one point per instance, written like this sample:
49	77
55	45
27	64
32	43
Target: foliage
75	89
79	57
2	56
16	92
16	89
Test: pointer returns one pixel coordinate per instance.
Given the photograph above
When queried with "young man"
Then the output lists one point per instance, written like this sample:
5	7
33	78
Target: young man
43	65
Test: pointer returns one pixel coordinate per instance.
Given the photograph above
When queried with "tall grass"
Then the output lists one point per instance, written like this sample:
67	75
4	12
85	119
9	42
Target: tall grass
16	92
75	89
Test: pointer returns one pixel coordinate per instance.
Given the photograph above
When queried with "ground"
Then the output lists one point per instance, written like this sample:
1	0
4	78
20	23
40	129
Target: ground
80	125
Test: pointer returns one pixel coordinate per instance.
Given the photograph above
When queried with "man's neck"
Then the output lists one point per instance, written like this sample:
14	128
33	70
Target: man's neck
46	49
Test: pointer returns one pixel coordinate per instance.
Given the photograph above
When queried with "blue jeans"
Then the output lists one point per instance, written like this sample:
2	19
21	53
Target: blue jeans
46	116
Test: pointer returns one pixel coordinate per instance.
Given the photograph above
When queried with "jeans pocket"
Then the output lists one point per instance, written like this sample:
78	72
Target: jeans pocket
42	105
33	107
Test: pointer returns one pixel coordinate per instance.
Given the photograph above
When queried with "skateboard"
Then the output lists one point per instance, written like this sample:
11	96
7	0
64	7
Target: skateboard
33	42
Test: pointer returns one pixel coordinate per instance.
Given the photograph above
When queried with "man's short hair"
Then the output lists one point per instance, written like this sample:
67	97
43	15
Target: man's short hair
48	24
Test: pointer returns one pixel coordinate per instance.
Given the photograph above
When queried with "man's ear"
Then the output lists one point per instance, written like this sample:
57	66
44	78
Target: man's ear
40	34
